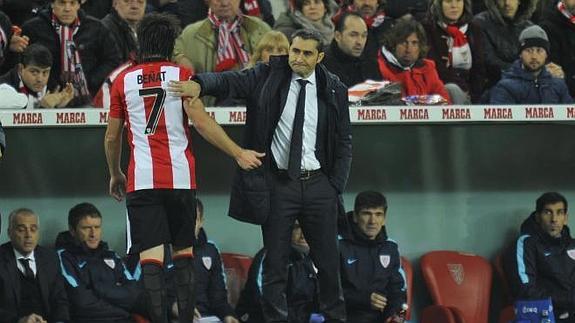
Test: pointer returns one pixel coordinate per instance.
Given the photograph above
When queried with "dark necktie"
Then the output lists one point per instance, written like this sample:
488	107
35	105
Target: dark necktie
294	165
28	273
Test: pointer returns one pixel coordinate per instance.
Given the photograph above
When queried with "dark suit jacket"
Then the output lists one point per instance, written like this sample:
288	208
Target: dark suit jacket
265	89
51	285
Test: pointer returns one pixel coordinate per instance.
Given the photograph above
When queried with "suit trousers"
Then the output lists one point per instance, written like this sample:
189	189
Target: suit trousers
313	202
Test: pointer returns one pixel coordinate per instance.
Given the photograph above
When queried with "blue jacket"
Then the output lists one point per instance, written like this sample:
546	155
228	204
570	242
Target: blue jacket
518	86
99	286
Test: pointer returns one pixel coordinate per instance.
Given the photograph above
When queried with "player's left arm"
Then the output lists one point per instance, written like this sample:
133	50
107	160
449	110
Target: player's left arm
214	134
113	148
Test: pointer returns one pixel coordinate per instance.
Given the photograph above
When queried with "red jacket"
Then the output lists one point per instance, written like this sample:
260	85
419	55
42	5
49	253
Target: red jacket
422	79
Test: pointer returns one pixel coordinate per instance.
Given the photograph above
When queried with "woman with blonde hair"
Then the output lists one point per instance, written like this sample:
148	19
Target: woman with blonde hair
272	43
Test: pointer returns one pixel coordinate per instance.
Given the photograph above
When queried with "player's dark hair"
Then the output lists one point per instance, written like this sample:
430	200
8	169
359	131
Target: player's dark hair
157	35
80	211
369	200
549	198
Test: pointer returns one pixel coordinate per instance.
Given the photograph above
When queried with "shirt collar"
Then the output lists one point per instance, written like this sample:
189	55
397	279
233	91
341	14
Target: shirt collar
19	255
310	79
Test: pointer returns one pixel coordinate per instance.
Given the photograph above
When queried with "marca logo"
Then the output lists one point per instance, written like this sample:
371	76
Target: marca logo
207	261
384	259
457	273
571	253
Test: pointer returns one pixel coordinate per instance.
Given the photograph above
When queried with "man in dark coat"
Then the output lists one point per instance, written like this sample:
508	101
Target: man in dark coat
306	137
501	26
122	23
345	56
30	283
90	53
559	23
541	263
528	81
99	286
373	281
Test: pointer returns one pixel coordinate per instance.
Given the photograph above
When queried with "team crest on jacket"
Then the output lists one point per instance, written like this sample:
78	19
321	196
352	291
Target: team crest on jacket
456	272
207	261
110	262
384	259
571	253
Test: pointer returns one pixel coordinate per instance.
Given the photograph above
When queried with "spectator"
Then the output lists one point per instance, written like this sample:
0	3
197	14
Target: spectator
378	23
211	293
31	288
455	45
308	14
100	288
11	41
301	291
90	52
541	263
31	76
273	43
501	24
98	8
21	11
11	99
373	281
559	23
402	60
527	81
190	11
122	23
344	56
234	35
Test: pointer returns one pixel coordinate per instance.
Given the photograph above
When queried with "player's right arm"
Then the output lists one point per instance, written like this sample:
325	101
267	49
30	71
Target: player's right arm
214	134
113	144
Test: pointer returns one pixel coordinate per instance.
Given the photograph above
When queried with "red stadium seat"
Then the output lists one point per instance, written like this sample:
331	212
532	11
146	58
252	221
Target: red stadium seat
236	267
137	318
408	269
507	314
459	283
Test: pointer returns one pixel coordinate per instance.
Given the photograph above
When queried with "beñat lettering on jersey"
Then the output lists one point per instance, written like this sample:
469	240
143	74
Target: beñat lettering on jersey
152	77
413	114
497	113
455	113
371	114
28	118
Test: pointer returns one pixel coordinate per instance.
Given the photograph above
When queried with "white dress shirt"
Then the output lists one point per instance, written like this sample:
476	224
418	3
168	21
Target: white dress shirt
282	135
32	261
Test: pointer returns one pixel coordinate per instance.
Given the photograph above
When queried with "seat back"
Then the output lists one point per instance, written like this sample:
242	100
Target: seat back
459	280
506	291
408	269
236	267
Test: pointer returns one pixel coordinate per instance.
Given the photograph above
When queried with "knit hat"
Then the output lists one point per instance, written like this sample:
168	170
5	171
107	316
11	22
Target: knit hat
533	36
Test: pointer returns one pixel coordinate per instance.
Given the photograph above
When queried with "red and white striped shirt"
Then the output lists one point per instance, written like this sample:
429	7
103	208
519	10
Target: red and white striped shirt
158	132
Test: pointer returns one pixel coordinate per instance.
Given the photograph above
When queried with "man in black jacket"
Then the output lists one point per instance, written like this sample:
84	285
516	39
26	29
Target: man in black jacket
542	261
301	291
373	281
89	52
99	286
345	56
31	288
306	136
122	22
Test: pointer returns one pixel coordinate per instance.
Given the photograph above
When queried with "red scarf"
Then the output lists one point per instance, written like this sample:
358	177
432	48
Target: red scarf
565	12
371	22
252	8
71	66
231	49
459	50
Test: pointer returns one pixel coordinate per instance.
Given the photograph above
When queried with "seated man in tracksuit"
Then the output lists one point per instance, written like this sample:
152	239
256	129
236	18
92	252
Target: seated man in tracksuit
373	281
301	288
541	264
99	287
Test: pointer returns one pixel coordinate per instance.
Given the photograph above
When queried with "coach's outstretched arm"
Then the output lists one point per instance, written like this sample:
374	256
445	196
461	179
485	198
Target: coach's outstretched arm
214	134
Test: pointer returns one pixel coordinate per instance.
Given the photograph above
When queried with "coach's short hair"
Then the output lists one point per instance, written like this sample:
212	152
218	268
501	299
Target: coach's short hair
369	200
80	211
549	198
307	34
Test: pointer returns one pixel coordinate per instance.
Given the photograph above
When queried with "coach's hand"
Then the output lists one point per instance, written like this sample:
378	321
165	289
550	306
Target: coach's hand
184	88
118	186
249	159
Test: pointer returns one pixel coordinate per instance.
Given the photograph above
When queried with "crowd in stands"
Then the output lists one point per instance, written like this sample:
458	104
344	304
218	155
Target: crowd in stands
81	280
454	49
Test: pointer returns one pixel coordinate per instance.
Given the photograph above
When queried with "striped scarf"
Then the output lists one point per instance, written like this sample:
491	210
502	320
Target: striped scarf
71	66
565	12
459	51
231	49
3	44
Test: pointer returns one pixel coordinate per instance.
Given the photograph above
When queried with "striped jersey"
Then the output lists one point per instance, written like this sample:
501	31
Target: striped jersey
161	154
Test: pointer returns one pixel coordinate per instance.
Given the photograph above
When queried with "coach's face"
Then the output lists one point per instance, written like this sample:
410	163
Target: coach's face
225	10
304	56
